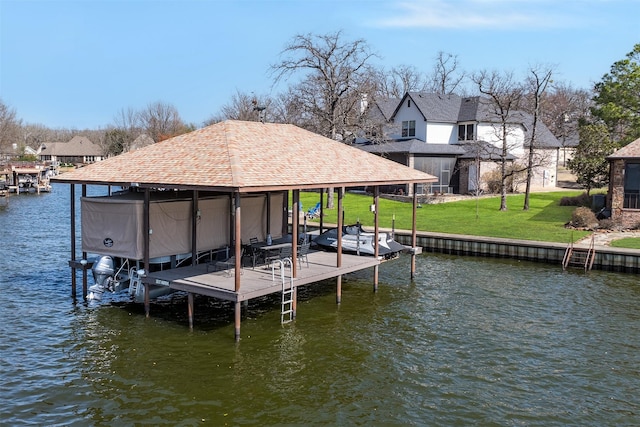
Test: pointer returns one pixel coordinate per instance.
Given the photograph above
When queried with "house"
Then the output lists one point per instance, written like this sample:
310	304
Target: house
624	185
79	150
458	140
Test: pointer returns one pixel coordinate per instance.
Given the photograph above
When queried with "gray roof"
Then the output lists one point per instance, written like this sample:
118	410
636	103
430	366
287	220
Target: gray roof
454	109
433	106
485	150
77	146
387	106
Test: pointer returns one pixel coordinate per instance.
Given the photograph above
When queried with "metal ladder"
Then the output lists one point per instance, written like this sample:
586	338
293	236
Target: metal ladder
288	293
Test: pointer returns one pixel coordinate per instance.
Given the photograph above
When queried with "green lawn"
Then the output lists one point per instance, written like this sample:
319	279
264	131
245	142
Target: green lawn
627	242
544	221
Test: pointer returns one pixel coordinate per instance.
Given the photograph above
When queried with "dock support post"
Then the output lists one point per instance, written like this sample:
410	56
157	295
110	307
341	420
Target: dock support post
294	304
73	240
339	245
414	238
237	317
147	234
339	289
84	256
190	309
376	245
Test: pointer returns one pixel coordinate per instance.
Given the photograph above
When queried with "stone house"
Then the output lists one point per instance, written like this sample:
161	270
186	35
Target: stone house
624	185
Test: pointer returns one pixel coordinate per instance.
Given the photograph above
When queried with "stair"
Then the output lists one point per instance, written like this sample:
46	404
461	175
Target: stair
579	257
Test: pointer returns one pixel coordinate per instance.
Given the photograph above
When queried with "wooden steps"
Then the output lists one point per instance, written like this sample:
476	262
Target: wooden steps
579	257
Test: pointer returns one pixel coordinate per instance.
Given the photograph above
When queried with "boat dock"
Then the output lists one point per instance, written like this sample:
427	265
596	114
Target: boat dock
259	281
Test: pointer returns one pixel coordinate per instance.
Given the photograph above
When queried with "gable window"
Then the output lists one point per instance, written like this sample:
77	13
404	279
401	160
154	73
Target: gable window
466	132
408	128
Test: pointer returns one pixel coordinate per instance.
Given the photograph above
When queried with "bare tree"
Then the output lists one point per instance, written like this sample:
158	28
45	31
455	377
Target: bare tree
243	106
399	80
504	95
127	126
161	121
333	69
9	128
446	77
34	135
539	79
562	108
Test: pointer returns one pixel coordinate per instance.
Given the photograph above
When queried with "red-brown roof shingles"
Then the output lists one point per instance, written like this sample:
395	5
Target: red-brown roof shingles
247	156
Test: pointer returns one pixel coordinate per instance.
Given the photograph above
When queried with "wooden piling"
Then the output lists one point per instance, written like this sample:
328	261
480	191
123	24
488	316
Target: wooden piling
190	309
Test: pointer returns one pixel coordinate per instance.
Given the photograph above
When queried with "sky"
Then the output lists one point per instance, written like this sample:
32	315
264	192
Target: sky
77	64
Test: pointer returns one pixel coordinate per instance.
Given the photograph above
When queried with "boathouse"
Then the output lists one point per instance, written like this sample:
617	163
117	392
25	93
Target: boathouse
229	183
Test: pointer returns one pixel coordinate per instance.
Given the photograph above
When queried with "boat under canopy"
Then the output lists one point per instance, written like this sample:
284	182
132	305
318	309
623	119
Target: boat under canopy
356	240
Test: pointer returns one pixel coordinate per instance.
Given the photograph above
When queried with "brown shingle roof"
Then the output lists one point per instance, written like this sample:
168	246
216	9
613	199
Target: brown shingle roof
77	146
631	150
248	156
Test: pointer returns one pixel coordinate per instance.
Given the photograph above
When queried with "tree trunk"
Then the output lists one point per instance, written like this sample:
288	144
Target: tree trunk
329	198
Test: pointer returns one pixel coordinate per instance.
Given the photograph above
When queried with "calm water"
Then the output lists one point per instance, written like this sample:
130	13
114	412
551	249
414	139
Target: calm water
472	341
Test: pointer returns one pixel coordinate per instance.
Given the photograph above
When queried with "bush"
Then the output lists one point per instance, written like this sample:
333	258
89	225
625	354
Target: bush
584	217
608	224
581	200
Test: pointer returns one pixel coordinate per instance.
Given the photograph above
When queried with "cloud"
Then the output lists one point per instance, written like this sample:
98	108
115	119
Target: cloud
476	14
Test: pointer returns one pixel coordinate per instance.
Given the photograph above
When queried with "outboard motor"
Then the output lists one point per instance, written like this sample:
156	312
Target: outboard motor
102	276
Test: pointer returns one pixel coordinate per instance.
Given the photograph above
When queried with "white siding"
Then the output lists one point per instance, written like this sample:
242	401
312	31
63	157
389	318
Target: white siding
442	133
410	113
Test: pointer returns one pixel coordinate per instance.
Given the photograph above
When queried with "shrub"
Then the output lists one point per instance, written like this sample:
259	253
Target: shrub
580	200
584	217
493	179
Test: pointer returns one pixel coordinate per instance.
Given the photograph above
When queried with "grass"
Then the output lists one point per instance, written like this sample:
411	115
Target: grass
627	243
544	221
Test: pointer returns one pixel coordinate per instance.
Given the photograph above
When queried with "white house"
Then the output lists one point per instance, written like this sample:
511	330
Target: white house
459	140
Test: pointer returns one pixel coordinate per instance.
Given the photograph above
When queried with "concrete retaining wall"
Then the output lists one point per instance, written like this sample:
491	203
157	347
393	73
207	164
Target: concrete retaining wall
607	258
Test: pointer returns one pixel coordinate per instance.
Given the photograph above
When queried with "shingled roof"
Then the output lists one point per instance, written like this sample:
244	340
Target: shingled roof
77	146
629	151
246	156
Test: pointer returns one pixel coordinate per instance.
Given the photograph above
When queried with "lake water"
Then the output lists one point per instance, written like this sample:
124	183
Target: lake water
471	341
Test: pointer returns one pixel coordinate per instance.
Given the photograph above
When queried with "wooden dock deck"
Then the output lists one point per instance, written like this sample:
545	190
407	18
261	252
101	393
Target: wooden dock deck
258	281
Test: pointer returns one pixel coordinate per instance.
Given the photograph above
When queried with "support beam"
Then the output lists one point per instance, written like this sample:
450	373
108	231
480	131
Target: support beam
84	256
340	224
238	243
268	213
72	198
322	210
376	245
147	242
195	218
295	219
339	245
414	234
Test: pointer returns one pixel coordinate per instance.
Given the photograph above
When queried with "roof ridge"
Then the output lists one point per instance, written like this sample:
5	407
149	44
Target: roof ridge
235	159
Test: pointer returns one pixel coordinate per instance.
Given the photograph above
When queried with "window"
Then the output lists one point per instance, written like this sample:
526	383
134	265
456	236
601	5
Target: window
408	128
466	132
631	186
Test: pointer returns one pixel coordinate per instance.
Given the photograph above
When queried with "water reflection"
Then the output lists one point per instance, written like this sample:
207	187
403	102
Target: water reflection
470	341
